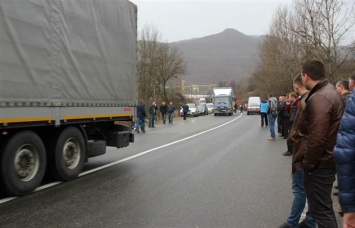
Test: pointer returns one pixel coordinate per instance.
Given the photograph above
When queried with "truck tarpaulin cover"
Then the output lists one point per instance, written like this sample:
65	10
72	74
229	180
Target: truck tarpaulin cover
59	51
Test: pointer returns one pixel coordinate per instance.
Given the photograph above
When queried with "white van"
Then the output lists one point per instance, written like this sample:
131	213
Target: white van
202	100
253	105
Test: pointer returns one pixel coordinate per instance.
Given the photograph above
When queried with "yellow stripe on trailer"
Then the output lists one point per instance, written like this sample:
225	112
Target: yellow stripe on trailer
27	119
65	118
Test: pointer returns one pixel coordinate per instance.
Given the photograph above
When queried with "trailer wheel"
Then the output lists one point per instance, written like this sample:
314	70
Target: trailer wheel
69	154
23	163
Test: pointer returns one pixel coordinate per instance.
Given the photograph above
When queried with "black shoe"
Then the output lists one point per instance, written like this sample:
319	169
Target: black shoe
335	193
153	127
285	225
287	153
303	224
143	131
336	187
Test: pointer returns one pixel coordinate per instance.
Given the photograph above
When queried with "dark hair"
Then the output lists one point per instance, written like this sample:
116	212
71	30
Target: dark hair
298	80
344	84
314	69
270	95
352	76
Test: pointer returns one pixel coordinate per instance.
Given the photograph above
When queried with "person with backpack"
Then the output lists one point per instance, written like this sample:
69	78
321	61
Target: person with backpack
271	114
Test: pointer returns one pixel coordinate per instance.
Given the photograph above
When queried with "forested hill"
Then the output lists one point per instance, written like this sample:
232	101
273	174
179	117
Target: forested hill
225	56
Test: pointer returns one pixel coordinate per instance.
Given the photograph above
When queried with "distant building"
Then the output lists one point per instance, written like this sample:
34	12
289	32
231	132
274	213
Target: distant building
194	90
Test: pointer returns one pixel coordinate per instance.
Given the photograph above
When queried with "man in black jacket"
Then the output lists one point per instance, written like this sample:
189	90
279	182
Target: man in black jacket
163	110
152	111
141	115
280	110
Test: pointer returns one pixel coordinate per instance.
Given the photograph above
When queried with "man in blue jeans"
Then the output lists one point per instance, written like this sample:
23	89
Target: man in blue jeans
152	111
271	116
299	194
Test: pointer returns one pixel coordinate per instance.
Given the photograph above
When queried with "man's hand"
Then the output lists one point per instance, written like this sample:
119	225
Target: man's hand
349	220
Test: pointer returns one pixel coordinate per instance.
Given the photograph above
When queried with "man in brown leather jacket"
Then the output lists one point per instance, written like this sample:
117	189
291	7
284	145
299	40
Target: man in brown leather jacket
318	125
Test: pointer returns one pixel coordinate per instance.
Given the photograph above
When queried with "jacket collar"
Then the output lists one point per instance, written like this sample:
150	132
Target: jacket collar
317	87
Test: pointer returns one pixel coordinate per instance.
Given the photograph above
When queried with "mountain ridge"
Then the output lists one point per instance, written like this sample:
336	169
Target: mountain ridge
225	56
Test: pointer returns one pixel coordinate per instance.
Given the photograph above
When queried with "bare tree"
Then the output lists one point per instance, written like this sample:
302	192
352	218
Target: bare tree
321	27
159	67
170	66
147	45
278	58
311	29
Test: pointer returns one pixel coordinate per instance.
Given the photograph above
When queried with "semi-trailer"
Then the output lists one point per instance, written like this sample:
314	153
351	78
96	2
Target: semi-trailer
68	72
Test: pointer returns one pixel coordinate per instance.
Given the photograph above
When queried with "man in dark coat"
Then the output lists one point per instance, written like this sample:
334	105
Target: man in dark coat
152	111
185	109
163	110
280	110
141	115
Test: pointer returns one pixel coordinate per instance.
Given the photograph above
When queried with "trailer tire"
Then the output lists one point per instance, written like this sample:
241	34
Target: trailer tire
23	163
69	154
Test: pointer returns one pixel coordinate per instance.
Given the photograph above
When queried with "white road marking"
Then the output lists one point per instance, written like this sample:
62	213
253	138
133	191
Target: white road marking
123	160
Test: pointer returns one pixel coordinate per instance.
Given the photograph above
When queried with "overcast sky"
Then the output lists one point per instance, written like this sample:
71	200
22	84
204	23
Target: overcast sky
177	20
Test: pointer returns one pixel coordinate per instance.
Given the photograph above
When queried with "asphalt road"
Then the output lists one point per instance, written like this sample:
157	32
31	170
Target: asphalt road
203	172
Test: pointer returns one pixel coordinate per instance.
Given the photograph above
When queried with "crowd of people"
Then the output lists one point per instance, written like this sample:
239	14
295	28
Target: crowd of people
317	120
166	111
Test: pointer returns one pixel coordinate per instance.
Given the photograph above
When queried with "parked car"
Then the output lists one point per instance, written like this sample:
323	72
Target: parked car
202	108
193	110
210	108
